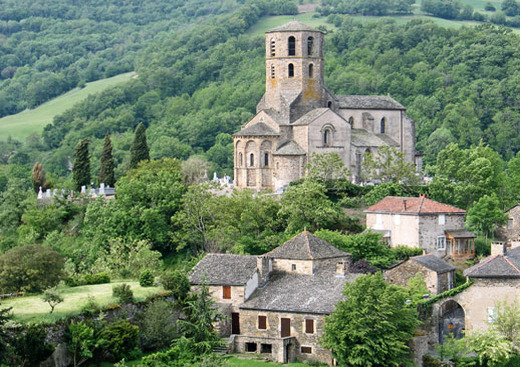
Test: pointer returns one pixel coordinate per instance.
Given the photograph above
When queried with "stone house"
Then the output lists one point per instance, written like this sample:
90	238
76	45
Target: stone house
511	231
277	301
299	116
420	222
438	275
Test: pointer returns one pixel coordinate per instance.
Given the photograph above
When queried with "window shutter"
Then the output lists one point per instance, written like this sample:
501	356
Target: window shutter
262	322
309	326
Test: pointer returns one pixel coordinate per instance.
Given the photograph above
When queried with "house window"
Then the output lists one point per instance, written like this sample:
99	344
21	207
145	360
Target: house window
442	219
291	70
266	159
293	267
309	326
383	125
311	71
266	348
306	350
273	48
441	243
491	314
310	42
226	292
251	347
273	73
262	322
251	160
292	46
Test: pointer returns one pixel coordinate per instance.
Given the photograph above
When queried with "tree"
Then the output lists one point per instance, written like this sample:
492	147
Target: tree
195	170
81	167
5	316
372	326
510	7
118	339
176	282
30	346
389	165
80	342
139	150
38	177
326	166
486	215
52	297
106	169
30	268
158	328
492	348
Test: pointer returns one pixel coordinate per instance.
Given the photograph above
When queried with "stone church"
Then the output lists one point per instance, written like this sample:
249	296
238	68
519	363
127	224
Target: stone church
299	116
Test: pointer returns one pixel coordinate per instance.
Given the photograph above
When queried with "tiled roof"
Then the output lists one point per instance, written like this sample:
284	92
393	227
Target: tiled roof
421	205
306	246
258	129
497	266
434	263
289	147
317	294
369	102
224	269
293	26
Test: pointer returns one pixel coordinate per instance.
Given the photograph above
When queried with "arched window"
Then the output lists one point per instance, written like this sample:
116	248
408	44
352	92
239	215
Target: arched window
327	137
292	46
329	104
311	71
291	70
310	42
273	74
383	127
252	160
266	159
351	121
273	48
240	160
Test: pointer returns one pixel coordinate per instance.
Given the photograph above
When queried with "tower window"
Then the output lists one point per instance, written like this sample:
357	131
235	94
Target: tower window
273	48
251	160
310	42
292	46
240	159
351	121
329	104
291	70
327	137
383	127
273	74
266	159
311	70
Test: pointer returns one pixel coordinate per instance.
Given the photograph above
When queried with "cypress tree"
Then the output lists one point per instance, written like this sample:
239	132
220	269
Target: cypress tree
81	167
139	150
38	177
106	170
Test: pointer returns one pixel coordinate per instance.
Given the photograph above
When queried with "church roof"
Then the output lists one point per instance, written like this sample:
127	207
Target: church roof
259	129
310	116
224	269
364	138
289	147
293	26
306	246
369	103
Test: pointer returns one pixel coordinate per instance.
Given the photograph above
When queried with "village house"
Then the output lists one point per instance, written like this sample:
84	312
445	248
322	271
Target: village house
511	231
435	227
276	302
438	275
299	116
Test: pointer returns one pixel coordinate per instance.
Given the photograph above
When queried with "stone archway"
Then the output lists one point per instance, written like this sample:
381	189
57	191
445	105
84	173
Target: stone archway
451	320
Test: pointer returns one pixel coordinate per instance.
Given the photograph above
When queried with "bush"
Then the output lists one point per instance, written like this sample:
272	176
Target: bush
91	306
176	282
405	252
146	279
120	340
482	246
30	346
123	293
98	278
158	328
429	361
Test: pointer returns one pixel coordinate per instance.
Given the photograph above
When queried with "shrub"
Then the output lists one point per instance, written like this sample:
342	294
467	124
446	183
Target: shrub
98	278
176	282
146	279
482	246
405	252
158	328
119	340
123	293
30	346
429	361
91	306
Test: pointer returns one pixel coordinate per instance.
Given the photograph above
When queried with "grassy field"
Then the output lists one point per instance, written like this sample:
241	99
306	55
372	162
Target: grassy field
33	309
27	122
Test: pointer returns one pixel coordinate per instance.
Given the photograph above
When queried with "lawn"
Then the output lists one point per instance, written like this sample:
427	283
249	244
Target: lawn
27	122
33	309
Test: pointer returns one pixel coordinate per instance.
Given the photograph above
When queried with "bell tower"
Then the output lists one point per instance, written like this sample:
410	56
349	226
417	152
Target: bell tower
294	67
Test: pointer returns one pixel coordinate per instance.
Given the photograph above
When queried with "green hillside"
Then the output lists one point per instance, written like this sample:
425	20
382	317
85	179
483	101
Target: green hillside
27	122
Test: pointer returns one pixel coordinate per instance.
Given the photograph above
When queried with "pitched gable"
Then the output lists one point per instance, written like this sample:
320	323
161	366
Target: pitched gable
306	246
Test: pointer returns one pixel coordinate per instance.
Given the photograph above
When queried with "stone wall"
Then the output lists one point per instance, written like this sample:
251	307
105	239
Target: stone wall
237	295
286	266
430	230
401	274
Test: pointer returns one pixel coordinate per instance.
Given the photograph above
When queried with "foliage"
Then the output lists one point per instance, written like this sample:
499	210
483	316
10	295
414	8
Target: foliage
486	215
381	191
492	348
176	282
483	246
389	165
30	346
366	7
449	9
195	170
80	342
91	306
404	252
30	268
81	167
52	297
357	338
450	293
139	150
506	321
158	326
106	169
326	166
146	279
417	288
98	278
4	346
119	339
38	177
123	293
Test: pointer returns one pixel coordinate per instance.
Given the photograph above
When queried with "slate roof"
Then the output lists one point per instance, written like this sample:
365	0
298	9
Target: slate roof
497	266
289	147
310	116
293	26
364	138
369	103
460	233
315	294
420	205
258	129
306	246
224	269
434	263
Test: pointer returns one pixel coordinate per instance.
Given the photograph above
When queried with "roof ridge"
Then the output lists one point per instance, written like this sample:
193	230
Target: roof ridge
510	263
421	204
309	251
478	266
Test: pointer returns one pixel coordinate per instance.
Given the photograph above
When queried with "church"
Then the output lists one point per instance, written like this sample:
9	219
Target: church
299	116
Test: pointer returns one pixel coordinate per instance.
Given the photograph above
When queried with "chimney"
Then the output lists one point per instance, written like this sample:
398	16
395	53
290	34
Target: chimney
422	196
498	248
263	265
515	243
341	269
404	204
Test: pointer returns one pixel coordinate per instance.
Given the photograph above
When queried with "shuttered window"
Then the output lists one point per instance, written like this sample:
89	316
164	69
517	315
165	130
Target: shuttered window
306	350
309	326
226	292
262	322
